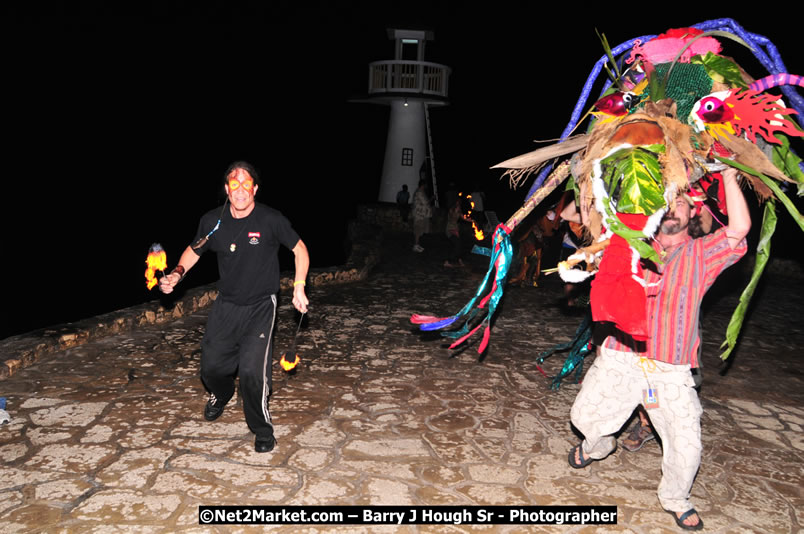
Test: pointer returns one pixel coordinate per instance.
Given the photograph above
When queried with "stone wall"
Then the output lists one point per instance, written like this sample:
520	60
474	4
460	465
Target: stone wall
18	352
387	217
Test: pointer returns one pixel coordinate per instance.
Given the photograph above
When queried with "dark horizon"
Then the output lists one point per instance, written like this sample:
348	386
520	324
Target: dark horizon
123	120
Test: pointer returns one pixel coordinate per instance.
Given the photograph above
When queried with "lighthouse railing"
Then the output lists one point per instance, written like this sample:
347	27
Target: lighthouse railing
408	77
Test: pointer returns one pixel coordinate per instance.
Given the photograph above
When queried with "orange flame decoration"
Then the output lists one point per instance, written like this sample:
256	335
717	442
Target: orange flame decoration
156	261
479	235
289	366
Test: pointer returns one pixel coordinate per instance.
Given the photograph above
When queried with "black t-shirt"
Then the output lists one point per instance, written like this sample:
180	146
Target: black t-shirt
247	251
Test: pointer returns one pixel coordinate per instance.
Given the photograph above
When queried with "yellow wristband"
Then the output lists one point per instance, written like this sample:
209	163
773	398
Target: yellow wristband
297	282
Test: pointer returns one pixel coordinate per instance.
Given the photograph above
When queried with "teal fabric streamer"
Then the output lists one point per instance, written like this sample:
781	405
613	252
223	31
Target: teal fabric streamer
580	346
501	256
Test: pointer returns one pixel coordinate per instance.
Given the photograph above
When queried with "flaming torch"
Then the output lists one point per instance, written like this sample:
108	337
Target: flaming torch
287	365
479	235
156	261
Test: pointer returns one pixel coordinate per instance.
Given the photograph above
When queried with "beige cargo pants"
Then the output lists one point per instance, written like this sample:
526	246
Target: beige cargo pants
615	384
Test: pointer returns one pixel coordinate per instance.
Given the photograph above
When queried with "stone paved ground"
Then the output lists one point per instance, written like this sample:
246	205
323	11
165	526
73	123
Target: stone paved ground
108	436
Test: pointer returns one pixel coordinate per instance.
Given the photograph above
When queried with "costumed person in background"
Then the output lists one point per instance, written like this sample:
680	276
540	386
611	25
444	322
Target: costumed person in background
403	202
245	236
528	243
656	372
422	211
532	244
534	241
454	216
571	240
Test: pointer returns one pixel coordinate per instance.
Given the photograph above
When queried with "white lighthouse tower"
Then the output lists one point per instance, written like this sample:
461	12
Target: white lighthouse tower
410	86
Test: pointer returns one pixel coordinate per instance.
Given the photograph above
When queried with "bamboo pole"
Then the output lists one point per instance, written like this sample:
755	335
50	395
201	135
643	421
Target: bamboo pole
555	179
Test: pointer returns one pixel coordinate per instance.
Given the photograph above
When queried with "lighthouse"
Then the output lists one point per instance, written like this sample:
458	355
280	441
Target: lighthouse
411	87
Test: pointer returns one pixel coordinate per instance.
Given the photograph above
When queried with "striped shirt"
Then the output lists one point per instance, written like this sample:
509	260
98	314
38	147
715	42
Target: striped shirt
674	297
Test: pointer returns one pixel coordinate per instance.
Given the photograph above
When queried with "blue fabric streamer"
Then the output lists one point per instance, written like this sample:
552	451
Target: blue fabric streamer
482	251
439	324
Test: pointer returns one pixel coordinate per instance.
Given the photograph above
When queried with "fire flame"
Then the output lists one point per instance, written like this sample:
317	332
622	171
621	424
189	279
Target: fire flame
156	261
289	366
479	235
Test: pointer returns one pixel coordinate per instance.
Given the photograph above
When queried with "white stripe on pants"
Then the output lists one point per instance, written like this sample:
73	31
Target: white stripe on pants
611	390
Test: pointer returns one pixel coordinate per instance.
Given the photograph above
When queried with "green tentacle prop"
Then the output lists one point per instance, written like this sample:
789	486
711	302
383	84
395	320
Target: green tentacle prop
777	191
763	253
763	250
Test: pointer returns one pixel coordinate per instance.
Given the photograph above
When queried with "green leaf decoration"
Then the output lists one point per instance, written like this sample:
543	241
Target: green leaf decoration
763	253
633	178
763	249
635	238
572	185
721	69
657	85
787	161
716	33
615	76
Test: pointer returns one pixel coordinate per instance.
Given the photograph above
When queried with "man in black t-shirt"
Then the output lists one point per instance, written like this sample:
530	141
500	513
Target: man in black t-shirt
246	238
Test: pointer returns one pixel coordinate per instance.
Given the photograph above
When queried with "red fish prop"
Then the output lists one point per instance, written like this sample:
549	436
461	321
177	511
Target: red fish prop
617	104
748	111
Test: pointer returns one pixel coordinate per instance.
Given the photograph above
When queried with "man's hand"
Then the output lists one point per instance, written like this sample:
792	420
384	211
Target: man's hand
168	282
186	262
300	301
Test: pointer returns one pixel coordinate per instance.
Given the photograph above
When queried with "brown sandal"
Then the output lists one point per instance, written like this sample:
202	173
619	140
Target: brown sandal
638	437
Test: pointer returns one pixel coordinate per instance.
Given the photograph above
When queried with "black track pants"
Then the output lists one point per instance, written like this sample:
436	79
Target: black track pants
238	342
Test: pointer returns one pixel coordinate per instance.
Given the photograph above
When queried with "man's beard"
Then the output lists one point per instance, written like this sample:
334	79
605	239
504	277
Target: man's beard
672	226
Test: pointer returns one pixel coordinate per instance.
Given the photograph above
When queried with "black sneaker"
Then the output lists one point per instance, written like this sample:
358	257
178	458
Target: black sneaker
214	408
264	444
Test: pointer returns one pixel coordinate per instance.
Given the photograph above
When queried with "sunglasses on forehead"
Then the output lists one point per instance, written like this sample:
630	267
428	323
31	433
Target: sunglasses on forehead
234	184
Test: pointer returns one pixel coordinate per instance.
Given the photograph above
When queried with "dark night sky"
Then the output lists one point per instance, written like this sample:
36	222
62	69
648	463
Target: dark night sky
122	120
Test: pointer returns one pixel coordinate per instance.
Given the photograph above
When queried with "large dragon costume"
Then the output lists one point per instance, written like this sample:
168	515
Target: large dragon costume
673	113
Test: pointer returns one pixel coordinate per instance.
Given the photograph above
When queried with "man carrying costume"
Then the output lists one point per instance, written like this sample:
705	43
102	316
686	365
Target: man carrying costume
245	236
656	373
675	114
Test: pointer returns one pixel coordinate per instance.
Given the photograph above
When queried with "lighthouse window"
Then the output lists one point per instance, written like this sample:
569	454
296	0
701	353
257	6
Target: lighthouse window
407	157
410	49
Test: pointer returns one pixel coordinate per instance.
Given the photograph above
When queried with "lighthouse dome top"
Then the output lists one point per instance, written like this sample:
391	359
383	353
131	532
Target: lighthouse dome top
408	74
409	44
422	35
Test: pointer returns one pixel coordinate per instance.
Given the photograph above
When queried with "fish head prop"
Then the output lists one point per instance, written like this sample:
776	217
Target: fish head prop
618	104
712	109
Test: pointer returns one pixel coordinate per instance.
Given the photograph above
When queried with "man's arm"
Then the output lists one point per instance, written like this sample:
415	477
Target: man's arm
186	262
739	217
570	213
302	261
